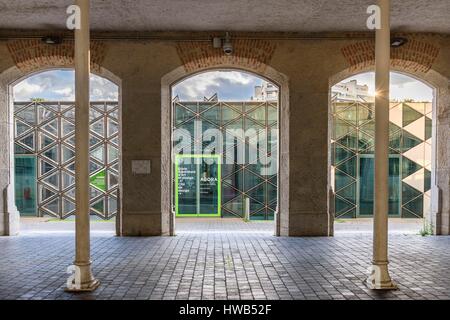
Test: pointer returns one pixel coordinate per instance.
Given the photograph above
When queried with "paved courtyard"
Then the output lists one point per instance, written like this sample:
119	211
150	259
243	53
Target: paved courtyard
215	262
46	226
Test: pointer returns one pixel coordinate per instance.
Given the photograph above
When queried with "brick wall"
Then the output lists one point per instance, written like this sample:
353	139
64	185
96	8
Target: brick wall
32	54
247	53
416	56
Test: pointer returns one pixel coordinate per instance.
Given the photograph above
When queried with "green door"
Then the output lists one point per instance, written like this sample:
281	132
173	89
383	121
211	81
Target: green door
366	185
25	184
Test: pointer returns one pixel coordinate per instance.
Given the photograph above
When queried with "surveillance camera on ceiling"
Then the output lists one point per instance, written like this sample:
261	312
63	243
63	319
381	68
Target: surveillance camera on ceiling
225	44
228	48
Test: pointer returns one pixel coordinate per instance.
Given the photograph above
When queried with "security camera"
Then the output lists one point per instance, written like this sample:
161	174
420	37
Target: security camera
224	43
228	48
227	45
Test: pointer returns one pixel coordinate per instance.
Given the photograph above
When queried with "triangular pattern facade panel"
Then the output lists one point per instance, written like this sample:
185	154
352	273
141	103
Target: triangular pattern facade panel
45	131
251	181
410	145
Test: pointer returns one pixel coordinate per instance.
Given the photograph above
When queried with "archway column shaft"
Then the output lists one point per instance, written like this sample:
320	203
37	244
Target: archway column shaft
379	277
83	272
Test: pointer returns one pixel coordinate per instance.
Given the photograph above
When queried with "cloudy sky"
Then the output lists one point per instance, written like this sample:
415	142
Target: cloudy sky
230	85
402	87
59	85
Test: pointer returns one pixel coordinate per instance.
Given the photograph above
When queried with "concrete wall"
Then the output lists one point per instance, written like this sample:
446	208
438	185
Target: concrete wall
308	64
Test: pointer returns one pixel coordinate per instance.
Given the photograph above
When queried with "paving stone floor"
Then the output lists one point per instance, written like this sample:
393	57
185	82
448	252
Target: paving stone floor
220	264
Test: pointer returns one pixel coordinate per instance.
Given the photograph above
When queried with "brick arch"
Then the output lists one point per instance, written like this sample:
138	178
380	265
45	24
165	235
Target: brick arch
250	54
416	56
33	55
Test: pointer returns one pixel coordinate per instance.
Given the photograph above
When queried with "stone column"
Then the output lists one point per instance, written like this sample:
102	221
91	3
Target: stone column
83	274
379	276
9	215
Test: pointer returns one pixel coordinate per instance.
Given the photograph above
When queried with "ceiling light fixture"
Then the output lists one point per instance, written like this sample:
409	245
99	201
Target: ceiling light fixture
52	40
398	42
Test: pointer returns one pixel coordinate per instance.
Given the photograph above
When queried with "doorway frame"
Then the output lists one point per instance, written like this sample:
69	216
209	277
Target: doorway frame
180	74
10	222
438	216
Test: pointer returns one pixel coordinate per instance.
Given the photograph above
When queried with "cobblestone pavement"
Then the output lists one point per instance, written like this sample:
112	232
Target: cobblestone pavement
365	226
250	264
198	225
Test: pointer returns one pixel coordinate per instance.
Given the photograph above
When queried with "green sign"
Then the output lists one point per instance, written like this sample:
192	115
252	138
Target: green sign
98	180
197	186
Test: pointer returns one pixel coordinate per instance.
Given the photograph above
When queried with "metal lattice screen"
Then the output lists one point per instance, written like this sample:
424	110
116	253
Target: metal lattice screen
239	181
410	148
45	138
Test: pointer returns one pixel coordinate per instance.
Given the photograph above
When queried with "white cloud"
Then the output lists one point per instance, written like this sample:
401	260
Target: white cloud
59	85
67	93
228	84
103	89
24	90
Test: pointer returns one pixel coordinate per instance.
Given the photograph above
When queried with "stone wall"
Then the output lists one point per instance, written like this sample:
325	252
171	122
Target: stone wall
308	65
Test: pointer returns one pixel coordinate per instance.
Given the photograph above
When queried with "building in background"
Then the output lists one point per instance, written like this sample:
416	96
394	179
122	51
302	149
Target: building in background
228	187
266	92
352	91
352	147
44	140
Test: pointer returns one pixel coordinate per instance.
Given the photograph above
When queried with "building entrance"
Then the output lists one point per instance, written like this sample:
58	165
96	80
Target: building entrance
225	147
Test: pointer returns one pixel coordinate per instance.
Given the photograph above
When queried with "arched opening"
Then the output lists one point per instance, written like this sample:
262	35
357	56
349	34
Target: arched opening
411	159
225	150
43	111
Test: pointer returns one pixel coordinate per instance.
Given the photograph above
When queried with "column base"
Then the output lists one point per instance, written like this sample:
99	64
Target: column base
390	285
379	278
86	287
10	217
81	280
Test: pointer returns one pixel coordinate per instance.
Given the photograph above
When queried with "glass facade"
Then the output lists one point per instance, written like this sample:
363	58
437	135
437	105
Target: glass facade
25	184
197	186
238	180
352	148
45	158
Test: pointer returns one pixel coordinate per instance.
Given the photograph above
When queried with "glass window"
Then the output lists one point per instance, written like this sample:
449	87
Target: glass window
353	146
52	147
243	109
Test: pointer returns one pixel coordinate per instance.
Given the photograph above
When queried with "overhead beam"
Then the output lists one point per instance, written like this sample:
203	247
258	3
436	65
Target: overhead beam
187	36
